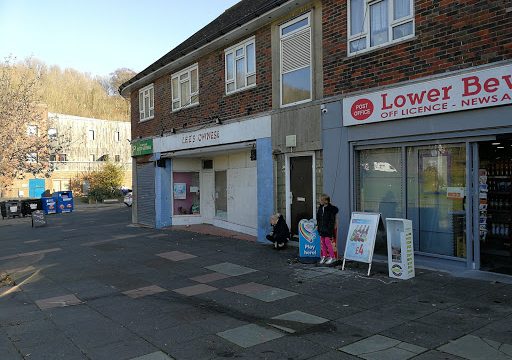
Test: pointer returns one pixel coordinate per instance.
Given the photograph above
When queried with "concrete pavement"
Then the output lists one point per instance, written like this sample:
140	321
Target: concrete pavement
91	286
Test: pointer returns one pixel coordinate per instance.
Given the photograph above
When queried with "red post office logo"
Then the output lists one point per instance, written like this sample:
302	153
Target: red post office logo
362	109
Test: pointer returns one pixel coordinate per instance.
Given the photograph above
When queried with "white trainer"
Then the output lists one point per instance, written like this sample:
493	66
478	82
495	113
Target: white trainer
322	260
329	261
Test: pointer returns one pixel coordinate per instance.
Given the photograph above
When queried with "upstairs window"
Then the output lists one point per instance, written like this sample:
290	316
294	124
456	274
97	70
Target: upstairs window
117	136
117	158
32	130
92	157
376	23
240	66
52	133
147	103
62	157
32	157
296	59
90	135
185	88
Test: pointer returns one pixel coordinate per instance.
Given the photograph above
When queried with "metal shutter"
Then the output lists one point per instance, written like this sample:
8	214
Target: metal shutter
146	194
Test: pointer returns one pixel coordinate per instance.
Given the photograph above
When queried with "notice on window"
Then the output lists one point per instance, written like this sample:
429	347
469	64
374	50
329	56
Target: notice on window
361	237
455	192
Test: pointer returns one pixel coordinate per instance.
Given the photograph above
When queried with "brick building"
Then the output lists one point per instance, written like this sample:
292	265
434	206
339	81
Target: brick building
400	107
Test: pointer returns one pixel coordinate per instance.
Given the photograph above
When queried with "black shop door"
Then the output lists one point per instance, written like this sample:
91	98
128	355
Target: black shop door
301	189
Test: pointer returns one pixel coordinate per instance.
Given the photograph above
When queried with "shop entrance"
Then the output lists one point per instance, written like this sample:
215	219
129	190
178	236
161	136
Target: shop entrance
495	205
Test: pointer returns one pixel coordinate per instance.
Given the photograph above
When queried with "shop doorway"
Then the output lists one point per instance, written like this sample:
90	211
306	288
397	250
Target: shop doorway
301	198
221	197
495	205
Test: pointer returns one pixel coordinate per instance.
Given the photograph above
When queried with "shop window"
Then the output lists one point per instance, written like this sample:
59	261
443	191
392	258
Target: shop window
377	23
436	196
186	197
379	184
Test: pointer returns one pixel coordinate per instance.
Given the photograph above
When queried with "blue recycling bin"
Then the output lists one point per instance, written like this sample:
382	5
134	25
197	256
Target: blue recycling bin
49	205
64	201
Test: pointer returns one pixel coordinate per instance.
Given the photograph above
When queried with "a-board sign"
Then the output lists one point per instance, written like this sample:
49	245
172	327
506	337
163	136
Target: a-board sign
309	239
400	248
361	236
38	218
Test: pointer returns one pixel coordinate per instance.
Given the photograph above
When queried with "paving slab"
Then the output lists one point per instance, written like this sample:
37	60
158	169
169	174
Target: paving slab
380	347
144	291
157	355
58	301
195	289
230	269
176	256
250	335
208	278
296	320
474	348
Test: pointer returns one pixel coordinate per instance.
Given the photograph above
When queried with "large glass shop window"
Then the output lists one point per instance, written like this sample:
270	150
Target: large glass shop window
186	193
379	182
436	193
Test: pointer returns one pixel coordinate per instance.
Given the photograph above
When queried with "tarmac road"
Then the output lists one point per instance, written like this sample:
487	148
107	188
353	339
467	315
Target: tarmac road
92	286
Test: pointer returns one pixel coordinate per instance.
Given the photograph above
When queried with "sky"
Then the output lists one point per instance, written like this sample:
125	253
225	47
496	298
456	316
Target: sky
100	36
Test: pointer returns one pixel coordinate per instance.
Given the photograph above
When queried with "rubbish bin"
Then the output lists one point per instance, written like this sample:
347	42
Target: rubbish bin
10	209
64	201
49	205
29	205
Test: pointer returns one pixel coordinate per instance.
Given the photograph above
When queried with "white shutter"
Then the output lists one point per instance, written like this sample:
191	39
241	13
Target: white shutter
296	51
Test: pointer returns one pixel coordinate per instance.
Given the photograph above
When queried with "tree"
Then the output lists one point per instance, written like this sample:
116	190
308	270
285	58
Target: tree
105	183
25	146
119	77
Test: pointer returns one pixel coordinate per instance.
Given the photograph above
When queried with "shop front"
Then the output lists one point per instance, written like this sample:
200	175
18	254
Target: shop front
220	175
436	152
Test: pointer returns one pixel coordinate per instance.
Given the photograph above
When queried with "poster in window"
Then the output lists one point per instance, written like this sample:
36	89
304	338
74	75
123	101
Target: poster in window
180	191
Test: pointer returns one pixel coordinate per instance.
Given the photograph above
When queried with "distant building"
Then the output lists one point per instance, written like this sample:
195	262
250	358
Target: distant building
87	144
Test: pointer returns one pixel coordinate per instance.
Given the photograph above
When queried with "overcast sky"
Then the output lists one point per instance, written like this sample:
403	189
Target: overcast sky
99	36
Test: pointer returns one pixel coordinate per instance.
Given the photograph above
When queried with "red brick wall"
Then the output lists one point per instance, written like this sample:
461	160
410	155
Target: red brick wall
213	101
449	35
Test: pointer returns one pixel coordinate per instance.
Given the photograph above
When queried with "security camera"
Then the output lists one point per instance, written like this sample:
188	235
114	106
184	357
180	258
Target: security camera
324	111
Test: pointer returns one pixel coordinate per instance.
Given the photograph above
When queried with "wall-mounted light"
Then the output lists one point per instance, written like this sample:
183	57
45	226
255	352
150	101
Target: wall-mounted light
173	131
218	121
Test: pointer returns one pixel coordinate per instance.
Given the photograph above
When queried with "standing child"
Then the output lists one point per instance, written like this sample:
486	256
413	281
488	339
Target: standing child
327	221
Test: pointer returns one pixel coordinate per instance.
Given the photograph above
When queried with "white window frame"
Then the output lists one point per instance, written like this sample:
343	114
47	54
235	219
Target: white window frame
232	51
147	92
62	157
366	31
284	37
177	97
53	133
32	130
32	158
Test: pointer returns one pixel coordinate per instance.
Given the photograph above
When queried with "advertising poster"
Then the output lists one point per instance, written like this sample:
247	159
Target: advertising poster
180	191
400	248
309	239
361	237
